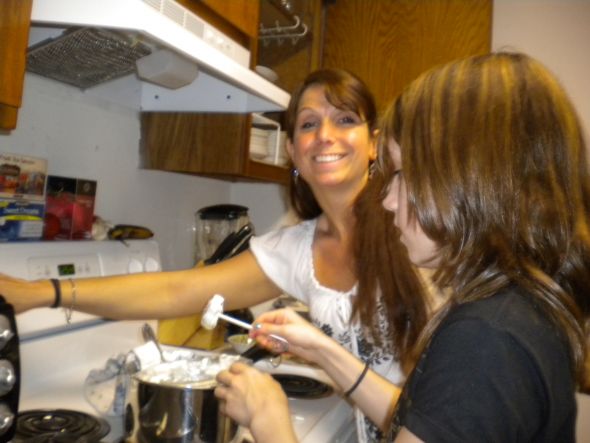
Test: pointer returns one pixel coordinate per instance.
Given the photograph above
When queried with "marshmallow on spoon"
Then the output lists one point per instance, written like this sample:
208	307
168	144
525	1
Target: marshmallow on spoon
214	311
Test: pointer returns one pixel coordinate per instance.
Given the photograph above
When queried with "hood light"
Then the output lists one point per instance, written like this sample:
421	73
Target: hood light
166	68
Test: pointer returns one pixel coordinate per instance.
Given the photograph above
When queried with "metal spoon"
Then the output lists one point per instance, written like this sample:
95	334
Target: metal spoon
149	335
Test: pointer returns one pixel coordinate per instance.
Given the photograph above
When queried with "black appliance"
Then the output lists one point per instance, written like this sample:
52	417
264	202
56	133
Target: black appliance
9	371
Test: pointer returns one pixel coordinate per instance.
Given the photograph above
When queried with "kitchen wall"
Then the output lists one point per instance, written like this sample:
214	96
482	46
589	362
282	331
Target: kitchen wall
557	33
84	136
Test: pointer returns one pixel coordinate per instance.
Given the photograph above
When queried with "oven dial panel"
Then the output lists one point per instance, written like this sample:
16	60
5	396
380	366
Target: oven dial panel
55	267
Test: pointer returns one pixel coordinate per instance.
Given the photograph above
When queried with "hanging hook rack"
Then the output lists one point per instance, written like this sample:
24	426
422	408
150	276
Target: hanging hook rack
280	32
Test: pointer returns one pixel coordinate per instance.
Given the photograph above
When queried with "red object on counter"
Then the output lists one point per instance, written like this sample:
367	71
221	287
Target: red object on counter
51	227
71	202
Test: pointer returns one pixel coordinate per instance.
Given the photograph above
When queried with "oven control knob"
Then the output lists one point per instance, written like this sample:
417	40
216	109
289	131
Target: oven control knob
7	376
134	266
6	418
152	265
6	332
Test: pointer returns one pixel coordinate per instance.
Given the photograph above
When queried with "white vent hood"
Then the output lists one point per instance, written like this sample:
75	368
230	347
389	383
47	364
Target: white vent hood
224	82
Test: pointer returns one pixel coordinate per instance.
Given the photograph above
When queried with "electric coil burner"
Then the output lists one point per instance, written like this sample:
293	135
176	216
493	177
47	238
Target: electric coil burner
59	426
299	386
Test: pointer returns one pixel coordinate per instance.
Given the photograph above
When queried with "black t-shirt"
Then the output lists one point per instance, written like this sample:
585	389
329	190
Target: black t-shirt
496	370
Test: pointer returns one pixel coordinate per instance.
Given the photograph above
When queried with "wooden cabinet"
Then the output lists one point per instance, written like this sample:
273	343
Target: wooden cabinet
236	18
15	16
214	145
243	14
388	43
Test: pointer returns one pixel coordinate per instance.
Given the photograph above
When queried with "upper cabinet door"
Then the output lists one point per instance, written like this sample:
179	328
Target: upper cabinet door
236	18
15	16
243	14
388	43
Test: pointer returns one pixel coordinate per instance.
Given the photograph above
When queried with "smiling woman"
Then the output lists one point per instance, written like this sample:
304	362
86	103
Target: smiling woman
330	145
342	97
331	140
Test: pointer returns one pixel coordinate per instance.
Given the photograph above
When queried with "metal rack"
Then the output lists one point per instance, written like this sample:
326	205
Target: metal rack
278	33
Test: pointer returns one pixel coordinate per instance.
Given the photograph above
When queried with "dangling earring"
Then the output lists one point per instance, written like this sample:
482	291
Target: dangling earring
295	174
372	168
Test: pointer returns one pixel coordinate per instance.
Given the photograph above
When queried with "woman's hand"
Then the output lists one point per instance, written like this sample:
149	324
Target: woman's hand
305	340
255	400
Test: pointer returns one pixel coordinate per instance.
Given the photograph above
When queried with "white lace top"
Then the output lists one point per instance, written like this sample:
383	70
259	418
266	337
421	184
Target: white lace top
285	255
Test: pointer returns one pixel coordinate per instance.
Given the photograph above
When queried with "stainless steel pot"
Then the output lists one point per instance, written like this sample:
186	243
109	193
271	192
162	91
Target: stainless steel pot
173	404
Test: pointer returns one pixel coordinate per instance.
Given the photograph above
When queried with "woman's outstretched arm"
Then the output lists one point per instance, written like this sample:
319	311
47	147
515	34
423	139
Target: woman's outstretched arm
151	295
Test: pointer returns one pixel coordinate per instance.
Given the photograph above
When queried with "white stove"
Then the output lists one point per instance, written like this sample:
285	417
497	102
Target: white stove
56	357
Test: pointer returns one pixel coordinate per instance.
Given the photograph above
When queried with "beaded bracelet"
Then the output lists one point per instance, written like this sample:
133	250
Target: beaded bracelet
358	381
57	287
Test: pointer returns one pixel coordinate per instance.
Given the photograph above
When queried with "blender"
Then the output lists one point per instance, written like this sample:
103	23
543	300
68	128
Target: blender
216	226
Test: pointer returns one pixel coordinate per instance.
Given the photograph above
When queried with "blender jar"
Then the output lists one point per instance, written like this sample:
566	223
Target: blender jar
213	224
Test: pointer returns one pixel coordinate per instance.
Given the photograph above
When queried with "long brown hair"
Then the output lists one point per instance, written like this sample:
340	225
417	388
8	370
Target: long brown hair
386	274
495	163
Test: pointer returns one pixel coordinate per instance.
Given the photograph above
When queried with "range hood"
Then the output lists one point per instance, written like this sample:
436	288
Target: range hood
224	82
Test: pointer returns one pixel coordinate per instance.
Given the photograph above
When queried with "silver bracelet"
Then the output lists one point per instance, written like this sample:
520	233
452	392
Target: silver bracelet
69	311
